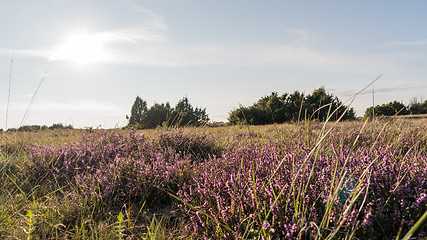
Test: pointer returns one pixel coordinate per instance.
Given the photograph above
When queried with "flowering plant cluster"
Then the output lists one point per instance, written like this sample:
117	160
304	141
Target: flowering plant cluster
286	190
364	184
199	146
116	166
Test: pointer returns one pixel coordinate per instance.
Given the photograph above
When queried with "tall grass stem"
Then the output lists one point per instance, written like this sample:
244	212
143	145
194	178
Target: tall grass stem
34	95
10	84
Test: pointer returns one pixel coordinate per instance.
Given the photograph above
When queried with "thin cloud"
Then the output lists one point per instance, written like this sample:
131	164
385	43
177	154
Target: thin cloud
151	28
303	35
252	55
119	42
106	46
343	91
306	57
42	53
405	43
290	55
81	105
156	21
134	34
139	46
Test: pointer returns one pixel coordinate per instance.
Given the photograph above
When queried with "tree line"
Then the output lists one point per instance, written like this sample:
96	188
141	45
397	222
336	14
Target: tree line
183	114
33	128
269	109
273	108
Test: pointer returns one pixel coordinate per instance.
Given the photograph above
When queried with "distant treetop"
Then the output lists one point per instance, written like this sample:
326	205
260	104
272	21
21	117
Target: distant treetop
183	114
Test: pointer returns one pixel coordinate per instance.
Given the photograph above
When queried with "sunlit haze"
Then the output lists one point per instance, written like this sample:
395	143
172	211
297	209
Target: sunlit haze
82	48
220	54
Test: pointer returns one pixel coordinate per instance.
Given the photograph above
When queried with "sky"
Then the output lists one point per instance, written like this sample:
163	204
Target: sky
83	62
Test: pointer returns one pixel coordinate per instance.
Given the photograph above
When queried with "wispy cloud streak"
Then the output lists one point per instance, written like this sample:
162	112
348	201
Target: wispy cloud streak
119	42
303	35
81	105
405	43
343	91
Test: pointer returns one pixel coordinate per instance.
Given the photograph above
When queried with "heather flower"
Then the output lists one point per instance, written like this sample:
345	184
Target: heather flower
251	188
367	220
266	225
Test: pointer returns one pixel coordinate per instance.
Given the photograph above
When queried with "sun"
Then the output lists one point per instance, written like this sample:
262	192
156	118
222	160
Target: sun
82	48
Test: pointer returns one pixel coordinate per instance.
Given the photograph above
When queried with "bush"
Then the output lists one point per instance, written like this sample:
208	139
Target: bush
387	109
288	107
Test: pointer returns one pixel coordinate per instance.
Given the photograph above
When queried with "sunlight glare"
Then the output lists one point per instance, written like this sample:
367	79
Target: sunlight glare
82	49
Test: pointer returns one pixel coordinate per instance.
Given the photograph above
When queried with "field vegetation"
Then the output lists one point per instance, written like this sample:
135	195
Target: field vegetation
303	180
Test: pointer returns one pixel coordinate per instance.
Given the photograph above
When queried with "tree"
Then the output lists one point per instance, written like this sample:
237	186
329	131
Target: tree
279	109
293	103
138	113
276	109
257	114
184	114
158	114
417	107
59	126
387	109
320	105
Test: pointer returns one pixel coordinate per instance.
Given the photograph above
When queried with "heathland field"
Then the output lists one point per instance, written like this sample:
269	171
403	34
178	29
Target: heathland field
307	180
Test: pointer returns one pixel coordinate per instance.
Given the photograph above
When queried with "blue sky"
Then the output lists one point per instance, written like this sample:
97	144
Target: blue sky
220	54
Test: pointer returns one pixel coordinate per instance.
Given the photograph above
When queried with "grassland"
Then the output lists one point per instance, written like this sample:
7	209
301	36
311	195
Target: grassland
350	180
